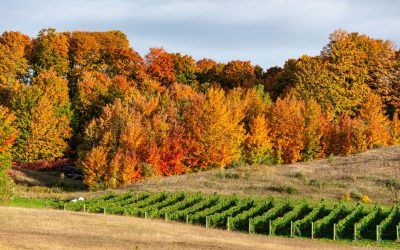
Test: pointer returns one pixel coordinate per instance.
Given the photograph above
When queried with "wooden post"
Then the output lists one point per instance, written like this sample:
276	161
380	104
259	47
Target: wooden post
377	233
145	214
206	221
270	227
355	232
64	206
187	219
312	230
397	233
104	211
166	217
334	231
228	226
84	208
291	229
249	225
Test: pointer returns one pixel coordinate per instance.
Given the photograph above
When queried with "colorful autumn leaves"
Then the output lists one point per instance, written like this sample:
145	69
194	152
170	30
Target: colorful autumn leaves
160	134
176	130
124	117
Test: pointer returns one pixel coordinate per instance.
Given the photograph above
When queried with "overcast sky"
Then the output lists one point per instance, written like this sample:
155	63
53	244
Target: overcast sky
265	32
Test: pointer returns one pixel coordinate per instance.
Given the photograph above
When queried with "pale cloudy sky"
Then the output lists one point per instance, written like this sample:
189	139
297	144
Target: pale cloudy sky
265	32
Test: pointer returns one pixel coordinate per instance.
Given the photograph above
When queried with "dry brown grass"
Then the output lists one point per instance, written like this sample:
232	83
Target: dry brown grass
22	228
375	173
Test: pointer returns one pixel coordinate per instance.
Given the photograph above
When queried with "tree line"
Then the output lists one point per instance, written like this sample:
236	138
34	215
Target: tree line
90	97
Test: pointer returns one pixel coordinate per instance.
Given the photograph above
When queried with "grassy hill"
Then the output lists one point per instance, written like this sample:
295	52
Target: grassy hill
375	173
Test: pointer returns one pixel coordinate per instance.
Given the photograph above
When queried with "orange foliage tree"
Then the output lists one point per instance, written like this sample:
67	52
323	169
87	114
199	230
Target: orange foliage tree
14	52
238	73
287	129
108	154
94	91
160	66
214	133
346	135
395	129
8	134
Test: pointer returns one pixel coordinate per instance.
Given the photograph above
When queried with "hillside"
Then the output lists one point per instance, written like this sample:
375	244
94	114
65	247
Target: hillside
375	173
54	229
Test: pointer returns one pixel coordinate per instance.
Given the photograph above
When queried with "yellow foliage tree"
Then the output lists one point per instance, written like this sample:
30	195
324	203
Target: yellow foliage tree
257	145
315	128
377	124
215	133
44	114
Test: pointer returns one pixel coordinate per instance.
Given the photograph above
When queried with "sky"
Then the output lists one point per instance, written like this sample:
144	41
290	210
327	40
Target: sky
265	32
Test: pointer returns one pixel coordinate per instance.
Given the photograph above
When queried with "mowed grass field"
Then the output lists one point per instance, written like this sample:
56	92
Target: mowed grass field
31	228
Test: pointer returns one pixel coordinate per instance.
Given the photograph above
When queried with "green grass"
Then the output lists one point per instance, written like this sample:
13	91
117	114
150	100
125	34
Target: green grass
27	202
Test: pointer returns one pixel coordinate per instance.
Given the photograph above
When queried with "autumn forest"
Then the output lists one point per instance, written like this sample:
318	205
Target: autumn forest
89	97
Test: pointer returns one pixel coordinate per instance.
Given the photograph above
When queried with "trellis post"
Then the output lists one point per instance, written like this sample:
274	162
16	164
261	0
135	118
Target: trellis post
334	231
355	232
270	227
249	225
377	233
291	229
312	230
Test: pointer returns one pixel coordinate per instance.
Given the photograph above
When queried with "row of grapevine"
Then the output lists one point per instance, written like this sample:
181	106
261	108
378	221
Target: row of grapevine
302	227
261	223
132	209
282	225
241	221
324	226
345	226
221	219
118	207
178	206
387	228
153	205
224	204
269	216
204	204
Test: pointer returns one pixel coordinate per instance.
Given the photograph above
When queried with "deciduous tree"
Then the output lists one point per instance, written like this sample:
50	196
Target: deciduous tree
287	129
8	134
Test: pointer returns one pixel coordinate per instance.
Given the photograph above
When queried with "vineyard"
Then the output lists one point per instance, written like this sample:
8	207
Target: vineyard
270	216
